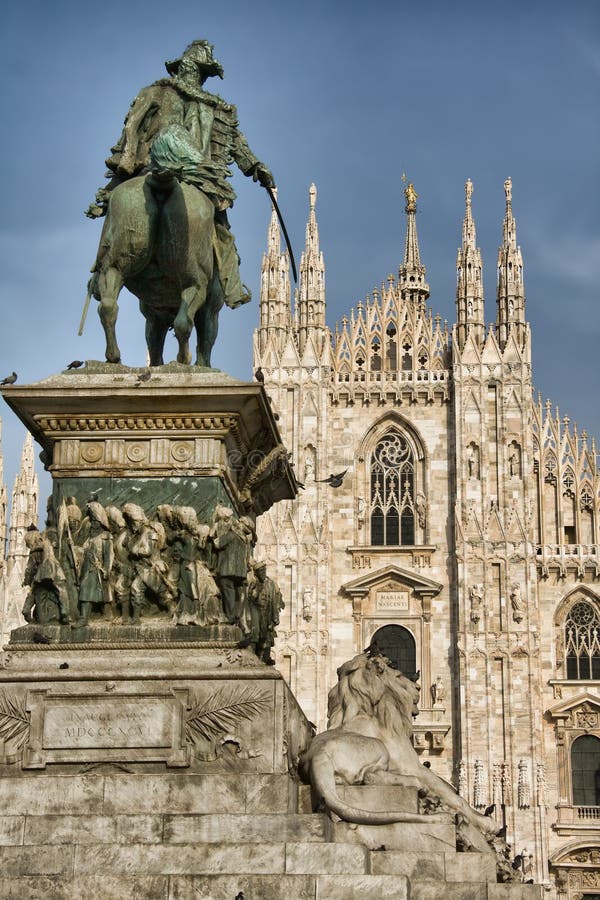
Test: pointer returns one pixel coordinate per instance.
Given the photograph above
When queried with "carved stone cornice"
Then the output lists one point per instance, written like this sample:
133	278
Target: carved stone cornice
110	421
119	423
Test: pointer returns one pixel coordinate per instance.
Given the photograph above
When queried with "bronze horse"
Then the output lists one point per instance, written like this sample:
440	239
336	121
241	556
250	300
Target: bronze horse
158	241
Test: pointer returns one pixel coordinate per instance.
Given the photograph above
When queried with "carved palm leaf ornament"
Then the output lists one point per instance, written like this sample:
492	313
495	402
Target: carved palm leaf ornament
14	720
221	713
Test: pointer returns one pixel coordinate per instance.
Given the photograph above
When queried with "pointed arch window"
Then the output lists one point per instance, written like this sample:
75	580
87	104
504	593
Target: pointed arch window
582	642
392	491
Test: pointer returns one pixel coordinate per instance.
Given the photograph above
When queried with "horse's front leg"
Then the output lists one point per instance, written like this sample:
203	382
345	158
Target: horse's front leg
110	282
191	300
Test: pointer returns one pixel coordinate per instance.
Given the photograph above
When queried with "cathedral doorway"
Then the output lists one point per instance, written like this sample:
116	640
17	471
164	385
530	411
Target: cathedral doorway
398	644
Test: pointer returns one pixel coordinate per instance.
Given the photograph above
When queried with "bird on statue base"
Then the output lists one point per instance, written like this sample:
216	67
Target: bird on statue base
258	374
76	364
144	376
10	379
334	481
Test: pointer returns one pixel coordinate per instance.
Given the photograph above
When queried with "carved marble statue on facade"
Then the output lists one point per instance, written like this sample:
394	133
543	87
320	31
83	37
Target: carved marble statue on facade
307	604
169	172
309	463
514	460
476	598
438	691
47	601
473	460
517	603
369	741
361	511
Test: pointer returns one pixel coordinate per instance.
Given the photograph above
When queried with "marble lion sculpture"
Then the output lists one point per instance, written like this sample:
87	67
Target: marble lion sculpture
368	741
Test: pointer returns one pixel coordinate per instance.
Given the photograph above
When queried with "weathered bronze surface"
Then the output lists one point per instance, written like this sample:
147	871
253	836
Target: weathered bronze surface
124	565
166	236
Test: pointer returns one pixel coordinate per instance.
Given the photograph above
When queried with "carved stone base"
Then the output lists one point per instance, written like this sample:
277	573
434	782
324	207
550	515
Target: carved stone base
192	707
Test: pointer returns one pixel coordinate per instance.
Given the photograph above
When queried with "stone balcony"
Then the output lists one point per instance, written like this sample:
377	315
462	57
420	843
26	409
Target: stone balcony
566	557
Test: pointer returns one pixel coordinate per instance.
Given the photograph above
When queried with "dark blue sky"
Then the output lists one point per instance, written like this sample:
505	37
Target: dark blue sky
348	97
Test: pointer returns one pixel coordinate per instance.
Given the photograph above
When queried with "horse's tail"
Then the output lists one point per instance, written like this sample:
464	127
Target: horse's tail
322	775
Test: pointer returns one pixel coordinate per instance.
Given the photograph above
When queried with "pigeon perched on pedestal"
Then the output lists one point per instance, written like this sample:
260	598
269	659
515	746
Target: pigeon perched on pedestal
10	379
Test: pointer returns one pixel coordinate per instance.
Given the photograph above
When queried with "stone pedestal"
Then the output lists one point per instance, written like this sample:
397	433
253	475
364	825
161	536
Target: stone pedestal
170	434
191	707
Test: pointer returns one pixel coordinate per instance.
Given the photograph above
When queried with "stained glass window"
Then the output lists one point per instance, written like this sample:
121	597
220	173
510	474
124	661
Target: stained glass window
582	642
392	492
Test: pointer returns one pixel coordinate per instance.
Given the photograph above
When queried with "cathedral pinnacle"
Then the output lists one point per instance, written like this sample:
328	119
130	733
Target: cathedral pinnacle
275	307
469	284
511	292
411	272
310	305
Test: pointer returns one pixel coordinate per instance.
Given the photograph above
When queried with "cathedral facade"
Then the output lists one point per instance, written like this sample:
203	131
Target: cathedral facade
451	518
14	522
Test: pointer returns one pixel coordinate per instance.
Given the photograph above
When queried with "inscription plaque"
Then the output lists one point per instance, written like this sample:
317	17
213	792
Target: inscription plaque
118	722
94	727
392	600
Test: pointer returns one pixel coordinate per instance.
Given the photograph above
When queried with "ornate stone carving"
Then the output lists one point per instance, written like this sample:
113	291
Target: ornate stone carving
14	722
479	786
523	785
213	723
462	780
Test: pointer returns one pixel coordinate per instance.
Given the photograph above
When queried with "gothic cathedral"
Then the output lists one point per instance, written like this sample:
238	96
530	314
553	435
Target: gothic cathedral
451	518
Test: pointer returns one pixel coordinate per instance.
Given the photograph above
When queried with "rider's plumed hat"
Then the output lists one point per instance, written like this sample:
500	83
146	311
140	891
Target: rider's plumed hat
201	52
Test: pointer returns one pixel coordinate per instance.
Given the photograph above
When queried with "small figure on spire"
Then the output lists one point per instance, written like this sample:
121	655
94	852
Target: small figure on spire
468	191
411	198
508	191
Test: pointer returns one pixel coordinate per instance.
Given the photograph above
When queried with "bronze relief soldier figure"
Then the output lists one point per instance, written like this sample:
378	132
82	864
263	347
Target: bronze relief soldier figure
232	546
96	566
47	601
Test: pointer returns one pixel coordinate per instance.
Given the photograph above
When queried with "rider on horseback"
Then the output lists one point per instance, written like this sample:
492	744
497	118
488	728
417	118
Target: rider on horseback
199	139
